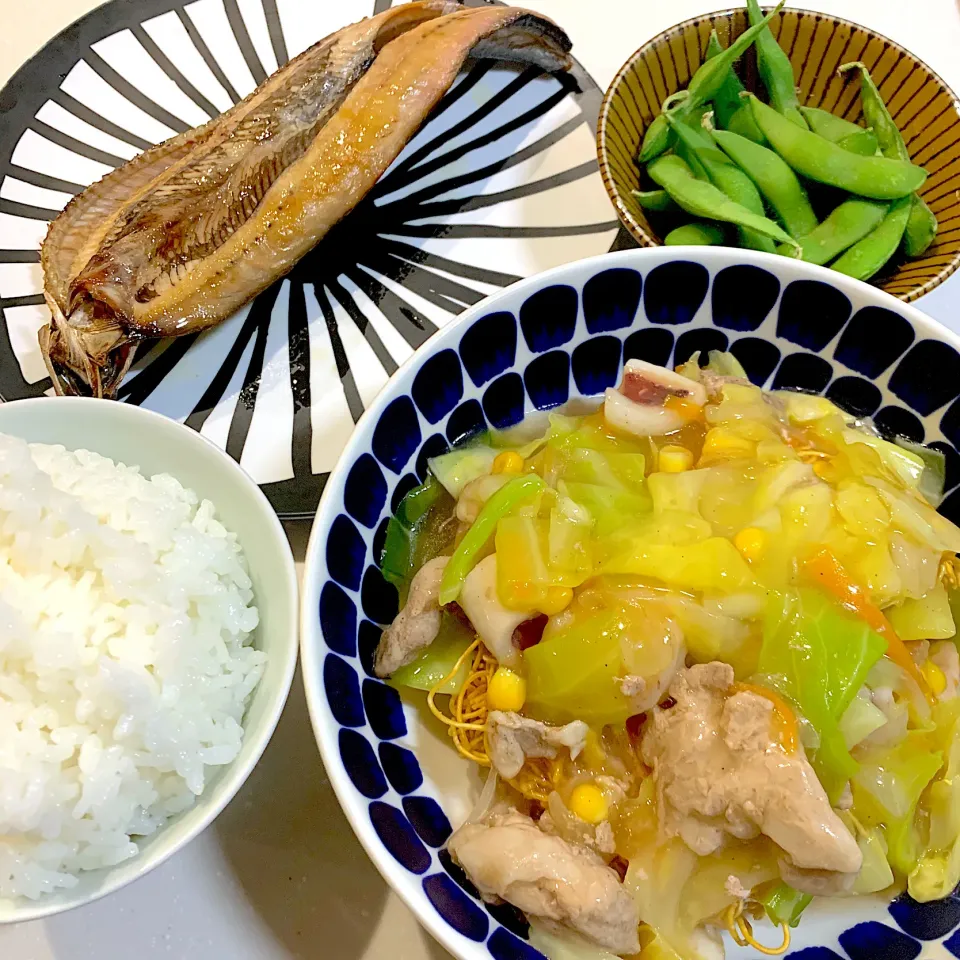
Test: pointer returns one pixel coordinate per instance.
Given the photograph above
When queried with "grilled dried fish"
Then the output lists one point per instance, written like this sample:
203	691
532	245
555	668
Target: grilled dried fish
176	240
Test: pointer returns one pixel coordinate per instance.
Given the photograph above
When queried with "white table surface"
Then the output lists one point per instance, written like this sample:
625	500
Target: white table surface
280	875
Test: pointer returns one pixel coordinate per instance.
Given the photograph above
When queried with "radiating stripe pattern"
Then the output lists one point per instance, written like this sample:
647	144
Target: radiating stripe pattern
922	105
501	182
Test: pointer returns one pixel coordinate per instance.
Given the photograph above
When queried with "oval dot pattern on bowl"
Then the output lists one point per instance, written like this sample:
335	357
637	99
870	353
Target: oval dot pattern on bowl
562	342
922	105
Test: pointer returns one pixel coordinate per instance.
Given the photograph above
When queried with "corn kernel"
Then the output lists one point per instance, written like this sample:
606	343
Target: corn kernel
507	462
588	803
935	677
750	541
675	459
506	691
555	600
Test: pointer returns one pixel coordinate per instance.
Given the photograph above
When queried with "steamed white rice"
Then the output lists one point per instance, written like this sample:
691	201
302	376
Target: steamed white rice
125	665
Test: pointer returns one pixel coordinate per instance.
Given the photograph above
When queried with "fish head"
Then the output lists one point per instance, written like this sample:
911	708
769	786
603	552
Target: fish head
85	356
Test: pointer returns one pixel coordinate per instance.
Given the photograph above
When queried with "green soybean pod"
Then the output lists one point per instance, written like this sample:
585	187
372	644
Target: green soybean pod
775	68
849	223
656	139
922	223
726	101
656	200
777	182
877	116
702	199
878	178
742	122
708	78
697	148
863	142
850	136
699	233
921	228
868	255
829	125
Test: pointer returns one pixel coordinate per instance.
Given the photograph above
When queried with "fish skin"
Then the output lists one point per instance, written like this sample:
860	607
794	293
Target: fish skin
181	237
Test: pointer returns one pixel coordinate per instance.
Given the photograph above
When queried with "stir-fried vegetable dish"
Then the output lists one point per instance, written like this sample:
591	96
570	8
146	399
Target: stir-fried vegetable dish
703	640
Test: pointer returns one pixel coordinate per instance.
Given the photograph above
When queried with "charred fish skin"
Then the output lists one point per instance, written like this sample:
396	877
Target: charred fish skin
178	239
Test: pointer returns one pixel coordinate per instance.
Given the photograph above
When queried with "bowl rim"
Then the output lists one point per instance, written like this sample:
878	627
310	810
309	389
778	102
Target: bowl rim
629	221
312	645
231	778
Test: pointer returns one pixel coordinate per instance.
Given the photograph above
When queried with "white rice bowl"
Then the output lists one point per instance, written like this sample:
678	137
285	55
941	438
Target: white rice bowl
126	613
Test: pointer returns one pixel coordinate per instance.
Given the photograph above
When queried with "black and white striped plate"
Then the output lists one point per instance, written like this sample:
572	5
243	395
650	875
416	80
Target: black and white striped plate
500	183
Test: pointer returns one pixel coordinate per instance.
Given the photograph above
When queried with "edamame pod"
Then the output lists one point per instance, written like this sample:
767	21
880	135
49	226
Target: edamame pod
863	142
702	199
742	122
656	200
847	224
850	136
695	234
921	228
704	156
878	178
777	182
656	139
877	115
708	78
867	256
829	125
726	101
922	223
775	68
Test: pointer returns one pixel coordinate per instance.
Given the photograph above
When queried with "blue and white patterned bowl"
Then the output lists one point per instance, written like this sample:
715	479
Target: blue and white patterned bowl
553	338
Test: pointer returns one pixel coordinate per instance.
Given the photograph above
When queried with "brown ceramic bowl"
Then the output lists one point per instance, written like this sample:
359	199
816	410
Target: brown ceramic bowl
923	106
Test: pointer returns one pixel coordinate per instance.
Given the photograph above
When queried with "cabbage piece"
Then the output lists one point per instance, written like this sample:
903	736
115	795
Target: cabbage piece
904	464
584	451
556	943
887	788
929	618
818	656
708	633
568	540
875	873
937	871
776	481
436	662
713	565
807	407
934	475
522	573
917	518
753	863
678	491
725	364
690	368
610	507
657	880
864	513
860	719
457	468
572	674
